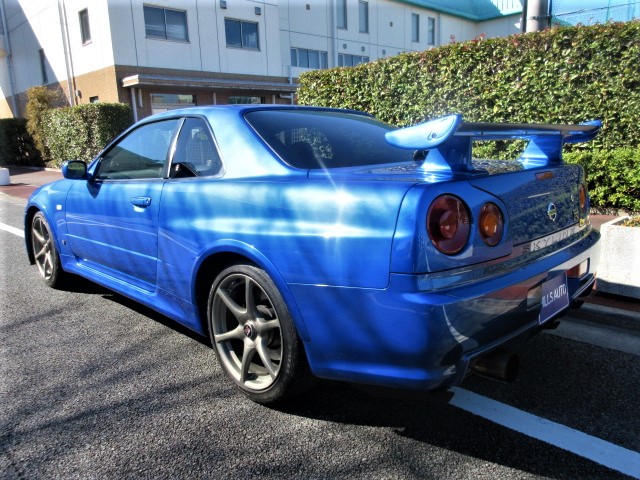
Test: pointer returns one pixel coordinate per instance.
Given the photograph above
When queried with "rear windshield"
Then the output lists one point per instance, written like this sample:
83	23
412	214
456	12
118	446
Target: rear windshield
319	139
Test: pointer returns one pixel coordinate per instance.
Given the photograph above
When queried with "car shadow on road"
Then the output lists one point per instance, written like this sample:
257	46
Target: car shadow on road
431	420
419	421
77	284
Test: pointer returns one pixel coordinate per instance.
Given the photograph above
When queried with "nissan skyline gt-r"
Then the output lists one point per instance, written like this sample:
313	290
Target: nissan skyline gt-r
312	242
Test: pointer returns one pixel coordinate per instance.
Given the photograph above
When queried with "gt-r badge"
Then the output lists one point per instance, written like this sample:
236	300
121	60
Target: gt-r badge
552	211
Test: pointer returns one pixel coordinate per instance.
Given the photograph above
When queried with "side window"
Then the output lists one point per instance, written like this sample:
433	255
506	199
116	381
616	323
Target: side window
196	154
141	154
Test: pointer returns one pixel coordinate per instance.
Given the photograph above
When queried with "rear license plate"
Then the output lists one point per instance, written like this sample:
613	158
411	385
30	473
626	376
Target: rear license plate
555	297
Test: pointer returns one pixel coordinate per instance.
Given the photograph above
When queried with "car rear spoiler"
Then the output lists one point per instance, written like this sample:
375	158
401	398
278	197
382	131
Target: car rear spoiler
449	141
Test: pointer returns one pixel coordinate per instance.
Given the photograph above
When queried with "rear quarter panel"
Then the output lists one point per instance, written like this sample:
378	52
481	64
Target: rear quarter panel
312	231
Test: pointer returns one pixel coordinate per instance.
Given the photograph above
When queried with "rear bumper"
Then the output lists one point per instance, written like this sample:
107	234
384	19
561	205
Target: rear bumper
404	336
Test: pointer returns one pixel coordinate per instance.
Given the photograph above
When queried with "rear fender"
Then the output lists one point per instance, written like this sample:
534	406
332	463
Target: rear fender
253	255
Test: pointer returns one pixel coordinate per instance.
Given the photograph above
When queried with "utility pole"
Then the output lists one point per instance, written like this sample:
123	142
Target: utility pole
536	16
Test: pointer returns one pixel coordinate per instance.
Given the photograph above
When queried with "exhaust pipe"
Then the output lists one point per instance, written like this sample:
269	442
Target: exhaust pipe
499	365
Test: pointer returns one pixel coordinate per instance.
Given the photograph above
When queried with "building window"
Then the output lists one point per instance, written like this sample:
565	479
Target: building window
43	67
245	100
95	99
415	27
172	98
348	60
241	34
431	31
166	24
161	102
364	16
304	58
341	13
85	31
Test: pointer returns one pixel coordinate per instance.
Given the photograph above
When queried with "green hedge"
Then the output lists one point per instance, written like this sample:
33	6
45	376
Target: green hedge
563	75
80	132
613	176
16	145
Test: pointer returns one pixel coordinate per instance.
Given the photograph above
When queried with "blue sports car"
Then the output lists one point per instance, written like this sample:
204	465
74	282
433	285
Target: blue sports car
312	242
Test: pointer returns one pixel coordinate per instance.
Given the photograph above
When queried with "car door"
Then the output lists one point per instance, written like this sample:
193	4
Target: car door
112	219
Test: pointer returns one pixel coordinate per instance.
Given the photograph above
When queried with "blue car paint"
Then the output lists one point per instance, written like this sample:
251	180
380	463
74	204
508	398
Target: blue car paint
109	229
369	294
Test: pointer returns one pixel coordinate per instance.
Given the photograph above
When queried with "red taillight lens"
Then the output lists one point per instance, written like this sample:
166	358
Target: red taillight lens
491	224
448	224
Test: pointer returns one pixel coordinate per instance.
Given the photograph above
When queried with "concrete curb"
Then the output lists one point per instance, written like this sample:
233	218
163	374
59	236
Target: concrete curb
5	178
615	317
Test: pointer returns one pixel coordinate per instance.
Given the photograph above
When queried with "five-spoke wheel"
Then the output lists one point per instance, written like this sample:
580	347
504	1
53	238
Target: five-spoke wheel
44	251
253	334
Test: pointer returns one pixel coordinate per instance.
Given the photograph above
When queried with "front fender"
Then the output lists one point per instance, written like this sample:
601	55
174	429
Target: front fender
50	200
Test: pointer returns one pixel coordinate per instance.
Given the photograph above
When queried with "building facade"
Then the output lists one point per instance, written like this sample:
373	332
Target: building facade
162	54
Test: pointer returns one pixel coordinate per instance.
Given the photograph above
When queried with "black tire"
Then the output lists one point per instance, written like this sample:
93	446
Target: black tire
45	253
254	337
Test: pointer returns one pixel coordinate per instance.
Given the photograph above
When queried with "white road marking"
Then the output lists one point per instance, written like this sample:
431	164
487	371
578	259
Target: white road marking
597	450
10	229
611	337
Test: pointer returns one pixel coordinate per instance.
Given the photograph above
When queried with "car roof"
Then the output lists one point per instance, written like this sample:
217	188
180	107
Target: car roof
207	110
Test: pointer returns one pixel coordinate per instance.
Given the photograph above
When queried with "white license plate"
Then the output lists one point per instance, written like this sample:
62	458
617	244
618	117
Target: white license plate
555	297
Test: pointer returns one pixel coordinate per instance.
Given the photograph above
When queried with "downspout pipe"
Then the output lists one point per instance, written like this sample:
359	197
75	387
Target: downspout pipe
68	63
12	80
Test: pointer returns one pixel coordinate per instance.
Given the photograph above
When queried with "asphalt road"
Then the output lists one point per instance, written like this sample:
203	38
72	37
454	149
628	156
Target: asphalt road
94	386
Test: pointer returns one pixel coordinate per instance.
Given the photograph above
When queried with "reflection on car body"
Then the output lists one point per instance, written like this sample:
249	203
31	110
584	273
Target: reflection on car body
311	242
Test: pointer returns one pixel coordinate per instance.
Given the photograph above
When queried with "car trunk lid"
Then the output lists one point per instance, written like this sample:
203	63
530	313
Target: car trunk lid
539	202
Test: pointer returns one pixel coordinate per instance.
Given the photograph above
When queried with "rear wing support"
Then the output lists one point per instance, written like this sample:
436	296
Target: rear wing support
449	139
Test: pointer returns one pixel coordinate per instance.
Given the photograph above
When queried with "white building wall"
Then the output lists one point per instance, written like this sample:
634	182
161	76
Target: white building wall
119	36
453	29
500	27
125	33
154	52
389	29
35	25
98	53
391	25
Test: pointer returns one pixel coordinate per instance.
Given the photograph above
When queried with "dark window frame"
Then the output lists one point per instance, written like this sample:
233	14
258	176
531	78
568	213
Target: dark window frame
363	14
43	66
431	31
323	58
341	14
350	60
148	10
85	27
415	28
242	24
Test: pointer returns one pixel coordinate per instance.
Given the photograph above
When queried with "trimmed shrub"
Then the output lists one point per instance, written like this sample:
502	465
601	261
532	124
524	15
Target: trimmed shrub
613	176
81	132
561	75
39	101
16	145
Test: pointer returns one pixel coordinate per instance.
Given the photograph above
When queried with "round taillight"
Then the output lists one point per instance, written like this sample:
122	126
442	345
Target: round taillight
448	224
491	224
582	191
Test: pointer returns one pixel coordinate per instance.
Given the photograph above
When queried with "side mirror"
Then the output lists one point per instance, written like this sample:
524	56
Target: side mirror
74	170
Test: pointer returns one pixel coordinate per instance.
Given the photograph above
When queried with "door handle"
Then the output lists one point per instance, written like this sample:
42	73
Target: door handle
141	201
